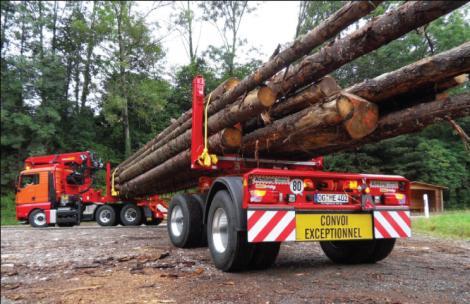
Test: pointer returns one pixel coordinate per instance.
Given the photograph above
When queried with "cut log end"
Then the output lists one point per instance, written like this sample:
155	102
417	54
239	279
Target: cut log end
230	83
232	137
266	96
360	116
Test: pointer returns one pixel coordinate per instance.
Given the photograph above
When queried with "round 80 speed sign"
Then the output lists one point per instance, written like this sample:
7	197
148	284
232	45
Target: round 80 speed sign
297	186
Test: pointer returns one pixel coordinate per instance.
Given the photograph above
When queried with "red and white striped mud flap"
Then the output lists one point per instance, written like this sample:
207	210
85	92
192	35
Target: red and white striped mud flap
392	224
271	226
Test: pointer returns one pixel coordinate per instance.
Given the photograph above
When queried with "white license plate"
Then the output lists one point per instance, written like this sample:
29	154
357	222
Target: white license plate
333	199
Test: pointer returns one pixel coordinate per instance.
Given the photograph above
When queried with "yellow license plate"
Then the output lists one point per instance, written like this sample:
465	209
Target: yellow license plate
333	227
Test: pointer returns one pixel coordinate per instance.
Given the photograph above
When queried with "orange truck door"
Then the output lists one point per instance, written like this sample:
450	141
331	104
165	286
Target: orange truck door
33	188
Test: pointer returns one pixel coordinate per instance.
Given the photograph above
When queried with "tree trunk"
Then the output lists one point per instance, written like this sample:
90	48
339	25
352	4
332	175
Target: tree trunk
355	116
54	29
122	77
89	53
405	121
426	71
377	32
254	103
313	94
348	14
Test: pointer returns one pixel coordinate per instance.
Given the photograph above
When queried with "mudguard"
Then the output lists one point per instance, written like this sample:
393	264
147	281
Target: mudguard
234	186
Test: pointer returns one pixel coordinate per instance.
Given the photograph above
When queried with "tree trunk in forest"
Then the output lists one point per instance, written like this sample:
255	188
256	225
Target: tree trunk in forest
405	121
54	29
89	52
341	19
122	77
379	31
254	103
174	129
356	116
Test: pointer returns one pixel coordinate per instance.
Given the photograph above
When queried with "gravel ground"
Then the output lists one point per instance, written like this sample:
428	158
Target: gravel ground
91	264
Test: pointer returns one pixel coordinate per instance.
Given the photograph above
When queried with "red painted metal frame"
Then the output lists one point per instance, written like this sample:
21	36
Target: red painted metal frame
197	135
315	175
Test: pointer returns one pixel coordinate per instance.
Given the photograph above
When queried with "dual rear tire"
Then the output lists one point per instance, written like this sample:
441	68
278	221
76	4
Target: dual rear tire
129	215
229	247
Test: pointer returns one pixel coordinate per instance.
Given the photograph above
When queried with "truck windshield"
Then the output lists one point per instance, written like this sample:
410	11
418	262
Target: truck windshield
29	179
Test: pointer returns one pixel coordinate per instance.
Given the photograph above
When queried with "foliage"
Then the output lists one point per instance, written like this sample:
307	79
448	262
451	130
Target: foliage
7	211
454	224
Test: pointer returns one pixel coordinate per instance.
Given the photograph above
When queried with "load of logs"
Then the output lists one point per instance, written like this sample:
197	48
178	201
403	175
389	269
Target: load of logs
290	108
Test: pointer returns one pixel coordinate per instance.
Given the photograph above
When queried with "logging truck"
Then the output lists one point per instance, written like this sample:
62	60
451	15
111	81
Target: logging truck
244	208
58	189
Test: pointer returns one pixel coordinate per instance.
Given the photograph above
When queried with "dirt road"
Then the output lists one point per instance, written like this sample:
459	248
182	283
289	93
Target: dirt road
91	264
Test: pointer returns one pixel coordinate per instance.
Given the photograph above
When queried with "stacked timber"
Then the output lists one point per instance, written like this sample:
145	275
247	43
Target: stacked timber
298	111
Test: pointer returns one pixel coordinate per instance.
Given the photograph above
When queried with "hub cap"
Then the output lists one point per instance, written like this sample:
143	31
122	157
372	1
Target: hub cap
40	219
220	230
105	216
176	222
130	215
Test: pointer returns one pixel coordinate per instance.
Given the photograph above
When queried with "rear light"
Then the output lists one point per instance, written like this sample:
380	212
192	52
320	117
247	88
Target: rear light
264	196
308	184
394	199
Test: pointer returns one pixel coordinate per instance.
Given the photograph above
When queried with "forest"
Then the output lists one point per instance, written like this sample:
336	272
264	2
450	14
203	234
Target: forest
79	76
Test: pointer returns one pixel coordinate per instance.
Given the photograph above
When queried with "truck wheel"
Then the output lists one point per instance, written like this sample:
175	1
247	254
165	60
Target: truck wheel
264	255
105	215
131	215
37	218
229	248
184	222
154	222
348	252
201	200
66	225
383	247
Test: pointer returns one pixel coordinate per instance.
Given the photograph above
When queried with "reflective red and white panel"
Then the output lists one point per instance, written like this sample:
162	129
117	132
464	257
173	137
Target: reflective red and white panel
271	226
392	224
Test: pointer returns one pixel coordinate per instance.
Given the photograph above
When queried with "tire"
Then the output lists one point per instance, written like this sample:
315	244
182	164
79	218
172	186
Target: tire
154	222
349	252
66	225
37	218
264	255
131	215
106	215
229	248
184	222
201	200
383	248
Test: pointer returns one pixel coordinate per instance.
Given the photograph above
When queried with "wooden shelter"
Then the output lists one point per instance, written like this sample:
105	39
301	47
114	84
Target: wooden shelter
435	197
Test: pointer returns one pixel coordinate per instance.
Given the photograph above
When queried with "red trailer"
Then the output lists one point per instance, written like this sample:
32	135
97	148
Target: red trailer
253	205
58	189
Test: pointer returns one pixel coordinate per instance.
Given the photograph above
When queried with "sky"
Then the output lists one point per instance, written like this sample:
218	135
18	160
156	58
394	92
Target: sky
272	23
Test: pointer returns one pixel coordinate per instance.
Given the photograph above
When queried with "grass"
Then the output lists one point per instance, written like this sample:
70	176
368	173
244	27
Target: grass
8	212
452	224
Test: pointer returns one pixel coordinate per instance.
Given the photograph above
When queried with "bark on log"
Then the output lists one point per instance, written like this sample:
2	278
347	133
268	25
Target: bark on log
253	104
341	19
356	116
313	94
427	71
409	120
174	128
377	32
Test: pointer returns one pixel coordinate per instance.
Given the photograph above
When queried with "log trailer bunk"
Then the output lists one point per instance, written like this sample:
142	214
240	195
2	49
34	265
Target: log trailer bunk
57	189
253	205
